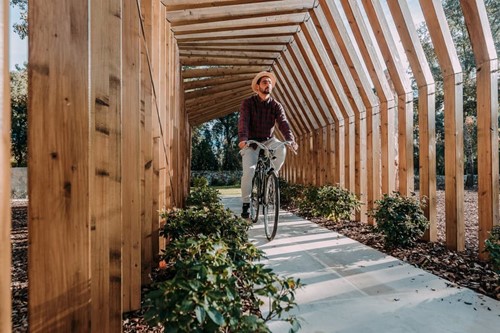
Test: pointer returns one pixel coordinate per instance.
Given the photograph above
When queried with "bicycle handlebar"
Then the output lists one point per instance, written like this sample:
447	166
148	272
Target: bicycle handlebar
280	143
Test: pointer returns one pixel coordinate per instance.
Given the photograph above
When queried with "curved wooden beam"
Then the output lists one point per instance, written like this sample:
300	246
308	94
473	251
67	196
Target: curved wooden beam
486	57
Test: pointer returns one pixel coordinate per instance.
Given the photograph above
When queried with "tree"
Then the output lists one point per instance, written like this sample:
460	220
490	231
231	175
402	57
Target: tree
225	131
19	109
463	46
202	153
21	27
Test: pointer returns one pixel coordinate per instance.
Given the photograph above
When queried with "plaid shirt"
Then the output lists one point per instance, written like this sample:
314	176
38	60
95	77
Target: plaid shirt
257	119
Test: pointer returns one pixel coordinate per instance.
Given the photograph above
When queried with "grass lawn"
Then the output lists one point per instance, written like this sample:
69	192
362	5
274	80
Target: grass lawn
228	190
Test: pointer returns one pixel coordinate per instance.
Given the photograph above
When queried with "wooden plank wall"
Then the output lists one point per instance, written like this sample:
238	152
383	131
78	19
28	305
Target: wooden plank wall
96	142
5	220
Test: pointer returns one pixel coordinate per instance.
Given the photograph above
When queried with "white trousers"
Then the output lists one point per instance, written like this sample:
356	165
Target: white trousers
250	157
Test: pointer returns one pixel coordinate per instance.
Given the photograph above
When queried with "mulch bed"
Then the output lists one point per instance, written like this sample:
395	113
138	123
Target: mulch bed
461	268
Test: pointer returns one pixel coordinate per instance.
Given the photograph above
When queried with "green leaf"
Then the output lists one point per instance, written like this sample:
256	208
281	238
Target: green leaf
200	314
216	316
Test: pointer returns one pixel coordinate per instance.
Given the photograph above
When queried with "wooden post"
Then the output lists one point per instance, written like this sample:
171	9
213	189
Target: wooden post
426	109
105	166
479	30
131	161
58	173
402	86
5	218
147	254
453	114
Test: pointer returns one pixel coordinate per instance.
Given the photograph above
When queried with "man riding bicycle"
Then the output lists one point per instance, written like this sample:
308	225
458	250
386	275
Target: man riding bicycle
258	115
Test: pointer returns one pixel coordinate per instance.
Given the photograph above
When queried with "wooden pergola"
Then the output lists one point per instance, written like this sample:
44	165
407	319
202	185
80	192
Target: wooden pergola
116	86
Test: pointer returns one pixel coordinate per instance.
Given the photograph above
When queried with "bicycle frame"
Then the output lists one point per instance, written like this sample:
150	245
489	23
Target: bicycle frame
265	188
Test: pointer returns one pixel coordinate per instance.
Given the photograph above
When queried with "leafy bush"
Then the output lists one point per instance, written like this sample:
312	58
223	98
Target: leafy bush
210	280
336	203
201	195
290	193
492	246
400	219
309	199
210	292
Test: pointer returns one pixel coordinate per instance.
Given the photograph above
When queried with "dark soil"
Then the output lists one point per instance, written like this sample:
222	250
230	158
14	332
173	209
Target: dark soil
461	268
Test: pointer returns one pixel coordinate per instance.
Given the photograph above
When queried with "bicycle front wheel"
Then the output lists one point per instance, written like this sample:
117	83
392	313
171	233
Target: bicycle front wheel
271	206
254	199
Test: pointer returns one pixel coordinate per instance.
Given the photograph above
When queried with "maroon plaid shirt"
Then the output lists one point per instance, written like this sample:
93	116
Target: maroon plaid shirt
257	119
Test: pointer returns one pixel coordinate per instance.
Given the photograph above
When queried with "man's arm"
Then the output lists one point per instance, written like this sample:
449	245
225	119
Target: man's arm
243	122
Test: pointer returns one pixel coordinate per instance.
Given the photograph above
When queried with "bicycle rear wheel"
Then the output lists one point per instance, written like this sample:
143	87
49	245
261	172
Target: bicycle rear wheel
254	199
271	207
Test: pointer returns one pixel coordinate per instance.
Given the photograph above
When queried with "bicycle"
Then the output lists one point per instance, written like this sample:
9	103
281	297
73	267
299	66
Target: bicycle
265	189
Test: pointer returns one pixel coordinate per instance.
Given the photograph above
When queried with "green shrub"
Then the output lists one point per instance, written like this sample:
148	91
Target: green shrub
492	246
208	291
201	195
400	219
336	203
307	202
214	221
290	193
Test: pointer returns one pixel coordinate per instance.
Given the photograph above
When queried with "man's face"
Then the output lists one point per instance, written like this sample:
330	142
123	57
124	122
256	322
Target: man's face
266	85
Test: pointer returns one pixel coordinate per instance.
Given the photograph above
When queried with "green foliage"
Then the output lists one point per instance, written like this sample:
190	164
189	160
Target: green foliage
336	203
400	219
308	201
201	195
225	134
202	151
19	116
212	282
290	193
210	292
492	246
21	27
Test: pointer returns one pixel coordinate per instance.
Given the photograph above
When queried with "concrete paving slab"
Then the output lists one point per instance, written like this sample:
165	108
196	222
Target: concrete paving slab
353	288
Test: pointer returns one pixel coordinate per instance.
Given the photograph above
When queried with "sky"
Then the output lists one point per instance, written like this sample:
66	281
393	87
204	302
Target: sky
19	47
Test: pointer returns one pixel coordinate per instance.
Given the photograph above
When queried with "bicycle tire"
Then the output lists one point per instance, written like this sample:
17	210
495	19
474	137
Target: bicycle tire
254	199
271	207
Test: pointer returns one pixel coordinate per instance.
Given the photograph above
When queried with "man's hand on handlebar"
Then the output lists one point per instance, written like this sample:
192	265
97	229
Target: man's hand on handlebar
242	144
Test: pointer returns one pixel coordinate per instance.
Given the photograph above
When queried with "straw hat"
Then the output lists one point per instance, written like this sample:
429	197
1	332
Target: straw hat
261	75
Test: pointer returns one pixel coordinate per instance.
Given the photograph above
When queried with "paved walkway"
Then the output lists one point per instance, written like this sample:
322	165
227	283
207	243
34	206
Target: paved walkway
353	288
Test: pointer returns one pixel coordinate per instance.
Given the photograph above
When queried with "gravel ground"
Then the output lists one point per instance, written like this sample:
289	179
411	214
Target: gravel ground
463	269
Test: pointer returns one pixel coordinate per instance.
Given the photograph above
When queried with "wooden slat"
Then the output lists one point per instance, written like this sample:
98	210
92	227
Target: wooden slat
402	85
293	105
426	109
254	22
105	166
58	172
232	12
131	163
5	218
453	121
291	116
218	61
286	30
147	254
215	89
183	4
261	48
264	40
209	82
384	147
481	38
188	73
207	101
230	54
